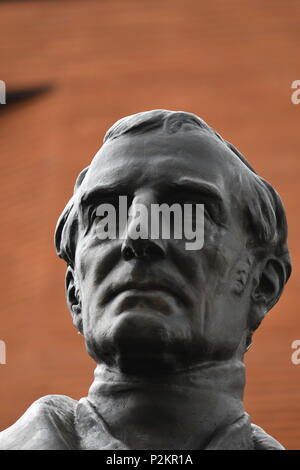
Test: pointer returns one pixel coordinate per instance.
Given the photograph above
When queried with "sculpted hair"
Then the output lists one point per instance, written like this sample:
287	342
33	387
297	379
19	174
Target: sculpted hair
263	212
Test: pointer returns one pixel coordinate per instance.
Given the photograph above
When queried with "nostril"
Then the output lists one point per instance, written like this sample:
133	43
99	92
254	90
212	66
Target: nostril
127	253
153	251
146	249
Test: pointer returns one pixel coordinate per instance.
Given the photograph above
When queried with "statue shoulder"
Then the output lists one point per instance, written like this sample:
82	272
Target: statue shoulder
263	441
47	424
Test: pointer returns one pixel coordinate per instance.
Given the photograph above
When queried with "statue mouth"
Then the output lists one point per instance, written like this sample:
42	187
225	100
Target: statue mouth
168	287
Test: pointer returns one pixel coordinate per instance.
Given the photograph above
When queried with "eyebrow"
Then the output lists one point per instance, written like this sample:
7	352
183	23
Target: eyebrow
101	191
199	185
185	183
205	190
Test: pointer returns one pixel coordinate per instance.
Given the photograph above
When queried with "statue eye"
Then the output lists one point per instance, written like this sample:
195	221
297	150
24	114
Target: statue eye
208	214
91	216
94	212
207	209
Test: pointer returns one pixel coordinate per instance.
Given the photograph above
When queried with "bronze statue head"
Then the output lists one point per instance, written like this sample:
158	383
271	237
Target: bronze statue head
151	304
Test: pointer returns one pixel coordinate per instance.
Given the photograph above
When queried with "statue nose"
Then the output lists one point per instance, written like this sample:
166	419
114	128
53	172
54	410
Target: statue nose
143	249
142	246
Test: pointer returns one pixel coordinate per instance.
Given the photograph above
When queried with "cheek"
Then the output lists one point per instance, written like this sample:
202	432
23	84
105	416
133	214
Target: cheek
223	273
224	314
94	261
85	253
86	262
228	261
227	328
200	267
213	261
95	258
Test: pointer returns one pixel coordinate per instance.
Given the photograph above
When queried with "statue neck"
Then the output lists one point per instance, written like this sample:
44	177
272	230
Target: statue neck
177	411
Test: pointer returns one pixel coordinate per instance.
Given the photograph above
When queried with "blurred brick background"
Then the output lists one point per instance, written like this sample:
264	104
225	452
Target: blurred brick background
230	62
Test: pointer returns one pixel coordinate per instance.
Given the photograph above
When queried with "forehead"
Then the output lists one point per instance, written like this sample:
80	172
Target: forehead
154	158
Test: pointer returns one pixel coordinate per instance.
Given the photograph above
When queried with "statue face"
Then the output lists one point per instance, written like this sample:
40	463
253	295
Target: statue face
173	308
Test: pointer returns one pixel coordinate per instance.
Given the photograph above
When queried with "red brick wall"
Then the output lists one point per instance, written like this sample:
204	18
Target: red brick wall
230	62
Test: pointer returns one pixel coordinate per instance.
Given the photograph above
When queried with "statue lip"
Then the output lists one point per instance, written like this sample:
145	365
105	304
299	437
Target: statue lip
167	286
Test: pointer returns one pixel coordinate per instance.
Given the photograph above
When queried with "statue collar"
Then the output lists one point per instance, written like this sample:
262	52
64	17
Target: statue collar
94	435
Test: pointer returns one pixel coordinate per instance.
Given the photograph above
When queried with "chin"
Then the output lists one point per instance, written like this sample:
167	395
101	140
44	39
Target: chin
138	342
144	364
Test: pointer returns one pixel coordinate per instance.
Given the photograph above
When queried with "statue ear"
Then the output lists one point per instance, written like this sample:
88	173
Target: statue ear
268	287
73	299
